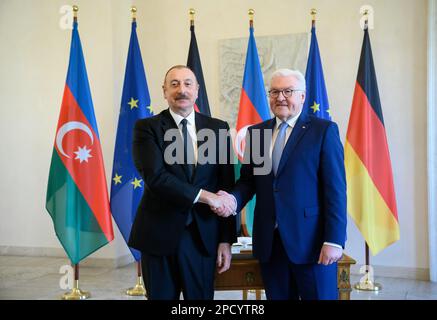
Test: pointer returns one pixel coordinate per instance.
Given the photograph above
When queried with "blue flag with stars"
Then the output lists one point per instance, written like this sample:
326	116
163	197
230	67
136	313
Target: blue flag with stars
316	102
127	185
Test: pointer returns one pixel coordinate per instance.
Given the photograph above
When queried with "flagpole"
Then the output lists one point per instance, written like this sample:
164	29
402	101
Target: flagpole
138	289
192	12
313	14
76	293
366	283
133	10
244	227
75	10
251	14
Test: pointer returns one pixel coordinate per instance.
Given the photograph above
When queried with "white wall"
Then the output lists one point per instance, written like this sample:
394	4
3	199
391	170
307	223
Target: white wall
34	58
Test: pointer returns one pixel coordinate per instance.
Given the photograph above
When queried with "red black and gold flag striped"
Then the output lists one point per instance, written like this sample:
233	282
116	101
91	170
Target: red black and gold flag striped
370	191
193	62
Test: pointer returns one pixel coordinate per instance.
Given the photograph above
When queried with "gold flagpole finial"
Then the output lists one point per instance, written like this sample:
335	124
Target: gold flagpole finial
251	14
75	10
192	12
133	10
366	18
313	14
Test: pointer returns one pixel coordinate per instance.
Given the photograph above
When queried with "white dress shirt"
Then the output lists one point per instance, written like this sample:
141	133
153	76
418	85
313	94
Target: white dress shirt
191	130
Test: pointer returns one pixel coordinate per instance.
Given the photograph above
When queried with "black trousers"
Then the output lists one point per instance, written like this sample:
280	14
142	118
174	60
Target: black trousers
190	271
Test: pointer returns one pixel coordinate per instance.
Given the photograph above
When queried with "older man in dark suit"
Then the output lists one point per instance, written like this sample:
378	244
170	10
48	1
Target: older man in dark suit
181	239
299	227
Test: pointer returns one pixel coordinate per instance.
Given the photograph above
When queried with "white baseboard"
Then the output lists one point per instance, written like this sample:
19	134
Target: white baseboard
395	272
379	271
59	253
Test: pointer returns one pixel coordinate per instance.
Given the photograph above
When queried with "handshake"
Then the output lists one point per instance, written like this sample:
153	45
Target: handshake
221	203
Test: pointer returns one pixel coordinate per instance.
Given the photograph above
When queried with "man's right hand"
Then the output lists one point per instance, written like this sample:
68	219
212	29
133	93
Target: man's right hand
222	203
228	204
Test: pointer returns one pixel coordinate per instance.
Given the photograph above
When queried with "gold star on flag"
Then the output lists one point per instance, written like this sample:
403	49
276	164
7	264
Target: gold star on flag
151	109
315	107
329	112
133	103
136	183
117	179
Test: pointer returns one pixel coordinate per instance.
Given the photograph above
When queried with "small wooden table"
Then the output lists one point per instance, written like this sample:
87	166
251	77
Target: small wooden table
245	274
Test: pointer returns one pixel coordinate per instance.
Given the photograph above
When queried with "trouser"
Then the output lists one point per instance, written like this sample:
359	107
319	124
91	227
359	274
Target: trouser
285	280
189	270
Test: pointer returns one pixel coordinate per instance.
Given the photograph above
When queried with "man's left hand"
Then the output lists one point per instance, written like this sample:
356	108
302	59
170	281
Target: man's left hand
224	257
329	254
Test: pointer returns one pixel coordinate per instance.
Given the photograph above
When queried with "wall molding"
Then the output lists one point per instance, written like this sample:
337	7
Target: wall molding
421	274
380	271
59	253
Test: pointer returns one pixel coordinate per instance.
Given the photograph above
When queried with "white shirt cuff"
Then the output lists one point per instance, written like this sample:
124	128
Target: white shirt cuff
236	204
198	196
333	245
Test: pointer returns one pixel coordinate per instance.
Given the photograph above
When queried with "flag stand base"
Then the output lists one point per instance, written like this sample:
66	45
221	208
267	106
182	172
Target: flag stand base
138	290
368	285
76	293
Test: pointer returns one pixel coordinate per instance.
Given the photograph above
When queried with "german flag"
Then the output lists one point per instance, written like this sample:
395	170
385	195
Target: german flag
193	62
370	190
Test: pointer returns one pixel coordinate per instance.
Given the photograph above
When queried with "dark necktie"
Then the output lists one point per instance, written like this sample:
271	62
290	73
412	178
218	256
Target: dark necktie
188	161
188	151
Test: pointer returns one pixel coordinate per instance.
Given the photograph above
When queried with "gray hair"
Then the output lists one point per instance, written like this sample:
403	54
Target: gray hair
290	73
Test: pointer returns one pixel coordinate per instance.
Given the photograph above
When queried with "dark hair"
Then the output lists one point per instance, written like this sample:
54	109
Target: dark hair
179	66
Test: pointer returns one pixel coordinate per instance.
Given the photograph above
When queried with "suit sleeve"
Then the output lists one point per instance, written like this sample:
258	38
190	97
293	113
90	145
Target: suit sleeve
149	161
245	186
226	181
333	183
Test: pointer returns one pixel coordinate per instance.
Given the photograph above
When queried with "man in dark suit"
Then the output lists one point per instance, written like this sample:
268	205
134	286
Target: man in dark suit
299	227
181	239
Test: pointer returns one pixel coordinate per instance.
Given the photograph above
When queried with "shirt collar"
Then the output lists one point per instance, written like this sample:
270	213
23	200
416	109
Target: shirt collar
291	121
178	118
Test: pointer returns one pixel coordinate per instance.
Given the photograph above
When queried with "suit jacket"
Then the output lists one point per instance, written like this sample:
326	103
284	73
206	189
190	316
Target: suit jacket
307	197
169	194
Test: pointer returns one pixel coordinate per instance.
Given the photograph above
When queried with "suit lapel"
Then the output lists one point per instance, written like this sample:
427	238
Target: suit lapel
167	122
201	123
301	126
270	125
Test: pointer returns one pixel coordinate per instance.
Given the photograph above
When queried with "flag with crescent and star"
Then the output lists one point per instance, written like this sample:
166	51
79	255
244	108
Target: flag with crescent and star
127	186
77	195
253	109
316	101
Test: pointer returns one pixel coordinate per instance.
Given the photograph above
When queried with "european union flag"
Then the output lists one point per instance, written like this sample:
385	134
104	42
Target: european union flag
316	102
127	185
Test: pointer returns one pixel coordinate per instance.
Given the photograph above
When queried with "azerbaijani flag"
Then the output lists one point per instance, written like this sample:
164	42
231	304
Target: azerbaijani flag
127	187
316	102
77	198
370	190
193	62
253	109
